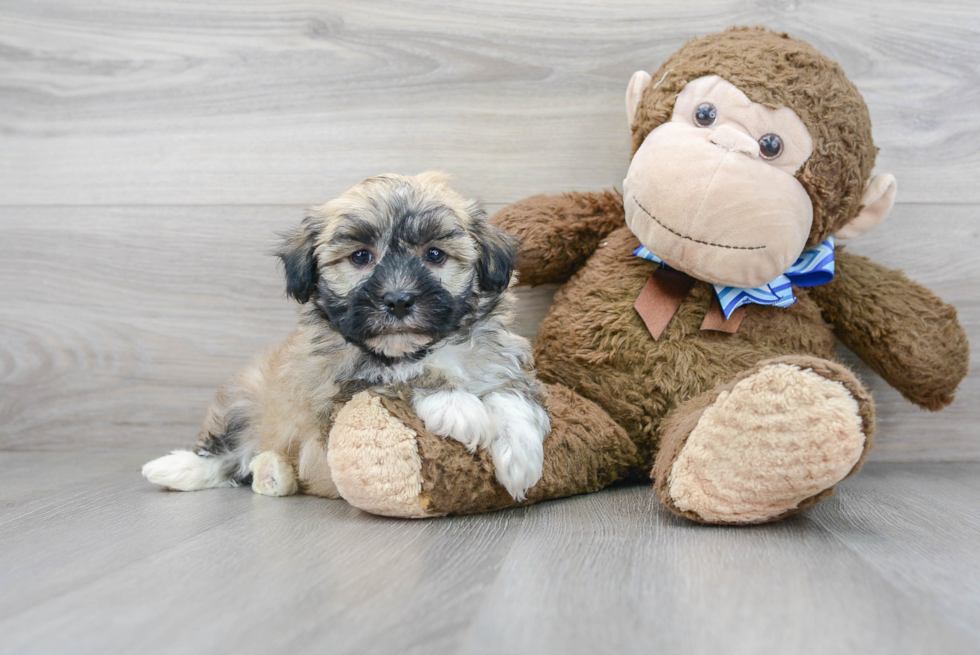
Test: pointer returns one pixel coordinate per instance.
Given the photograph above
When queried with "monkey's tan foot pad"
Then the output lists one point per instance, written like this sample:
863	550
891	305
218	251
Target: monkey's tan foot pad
272	475
374	460
384	461
767	445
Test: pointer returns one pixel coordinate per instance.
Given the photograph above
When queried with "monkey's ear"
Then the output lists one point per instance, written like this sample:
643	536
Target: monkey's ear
639	83
877	201
299	261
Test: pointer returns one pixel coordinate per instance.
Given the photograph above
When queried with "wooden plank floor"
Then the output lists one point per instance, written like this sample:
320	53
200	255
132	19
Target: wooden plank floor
95	560
150	151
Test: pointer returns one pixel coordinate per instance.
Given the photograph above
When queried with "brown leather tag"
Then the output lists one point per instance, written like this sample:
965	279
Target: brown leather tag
715	318
661	296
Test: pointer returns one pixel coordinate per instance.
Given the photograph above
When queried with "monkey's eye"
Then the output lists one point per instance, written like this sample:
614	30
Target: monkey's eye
435	256
361	258
705	115
770	146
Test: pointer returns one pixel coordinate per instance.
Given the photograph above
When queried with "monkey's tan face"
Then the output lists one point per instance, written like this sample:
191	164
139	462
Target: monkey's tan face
713	191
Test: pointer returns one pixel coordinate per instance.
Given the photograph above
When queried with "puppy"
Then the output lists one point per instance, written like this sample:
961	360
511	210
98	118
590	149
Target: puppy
404	287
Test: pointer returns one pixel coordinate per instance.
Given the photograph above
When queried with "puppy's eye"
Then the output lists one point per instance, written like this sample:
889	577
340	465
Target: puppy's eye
435	256
361	258
705	115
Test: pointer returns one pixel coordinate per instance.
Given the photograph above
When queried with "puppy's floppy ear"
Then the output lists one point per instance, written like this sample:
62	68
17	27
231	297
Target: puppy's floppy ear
299	260
498	251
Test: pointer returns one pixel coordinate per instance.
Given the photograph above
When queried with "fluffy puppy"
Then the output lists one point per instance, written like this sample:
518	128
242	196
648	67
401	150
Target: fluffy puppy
404	287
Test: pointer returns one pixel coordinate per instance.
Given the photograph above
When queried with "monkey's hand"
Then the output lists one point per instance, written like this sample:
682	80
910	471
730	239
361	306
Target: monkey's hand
558	233
901	329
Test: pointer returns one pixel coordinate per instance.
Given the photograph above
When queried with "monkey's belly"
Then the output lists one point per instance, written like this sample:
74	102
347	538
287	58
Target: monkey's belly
594	342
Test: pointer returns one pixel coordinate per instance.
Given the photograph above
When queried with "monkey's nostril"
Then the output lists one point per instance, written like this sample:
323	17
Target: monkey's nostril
734	140
399	303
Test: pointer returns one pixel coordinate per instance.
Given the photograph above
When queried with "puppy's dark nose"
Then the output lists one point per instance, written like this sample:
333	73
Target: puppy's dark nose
399	303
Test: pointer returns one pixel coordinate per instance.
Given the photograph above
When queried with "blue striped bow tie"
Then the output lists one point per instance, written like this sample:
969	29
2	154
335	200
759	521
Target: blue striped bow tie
814	267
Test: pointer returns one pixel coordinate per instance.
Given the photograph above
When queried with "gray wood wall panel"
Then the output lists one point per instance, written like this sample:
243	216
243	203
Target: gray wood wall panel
115	102
119	322
149	151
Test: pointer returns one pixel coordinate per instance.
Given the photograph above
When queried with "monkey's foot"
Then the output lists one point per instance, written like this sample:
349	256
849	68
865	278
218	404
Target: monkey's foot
384	461
374	460
272	475
766	445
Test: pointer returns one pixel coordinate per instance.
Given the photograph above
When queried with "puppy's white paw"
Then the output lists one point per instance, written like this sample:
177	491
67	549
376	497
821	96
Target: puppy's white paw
517	449
456	414
183	470
272	475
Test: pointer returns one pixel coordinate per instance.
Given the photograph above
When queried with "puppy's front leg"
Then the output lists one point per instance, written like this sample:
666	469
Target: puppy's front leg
457	414
521	425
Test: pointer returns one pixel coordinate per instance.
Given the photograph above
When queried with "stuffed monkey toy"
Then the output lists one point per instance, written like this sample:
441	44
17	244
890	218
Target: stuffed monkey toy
692	341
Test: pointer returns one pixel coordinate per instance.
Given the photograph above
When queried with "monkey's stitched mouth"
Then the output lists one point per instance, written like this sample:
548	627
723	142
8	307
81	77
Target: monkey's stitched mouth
688	238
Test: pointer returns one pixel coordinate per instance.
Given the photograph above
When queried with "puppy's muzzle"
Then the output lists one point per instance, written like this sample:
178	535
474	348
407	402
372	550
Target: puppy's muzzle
399	303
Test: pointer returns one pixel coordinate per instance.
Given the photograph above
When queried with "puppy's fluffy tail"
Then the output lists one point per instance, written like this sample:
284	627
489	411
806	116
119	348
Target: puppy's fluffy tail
183	470
222	454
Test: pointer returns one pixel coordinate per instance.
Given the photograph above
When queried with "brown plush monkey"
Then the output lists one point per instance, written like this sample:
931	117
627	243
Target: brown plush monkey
687	339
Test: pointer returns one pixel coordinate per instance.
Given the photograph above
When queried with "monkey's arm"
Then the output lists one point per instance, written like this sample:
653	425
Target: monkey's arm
901	329
558	233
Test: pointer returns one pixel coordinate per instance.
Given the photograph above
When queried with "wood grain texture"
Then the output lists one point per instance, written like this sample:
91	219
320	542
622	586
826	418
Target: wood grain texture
118	323
120	566
149	152
921	533
262	102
